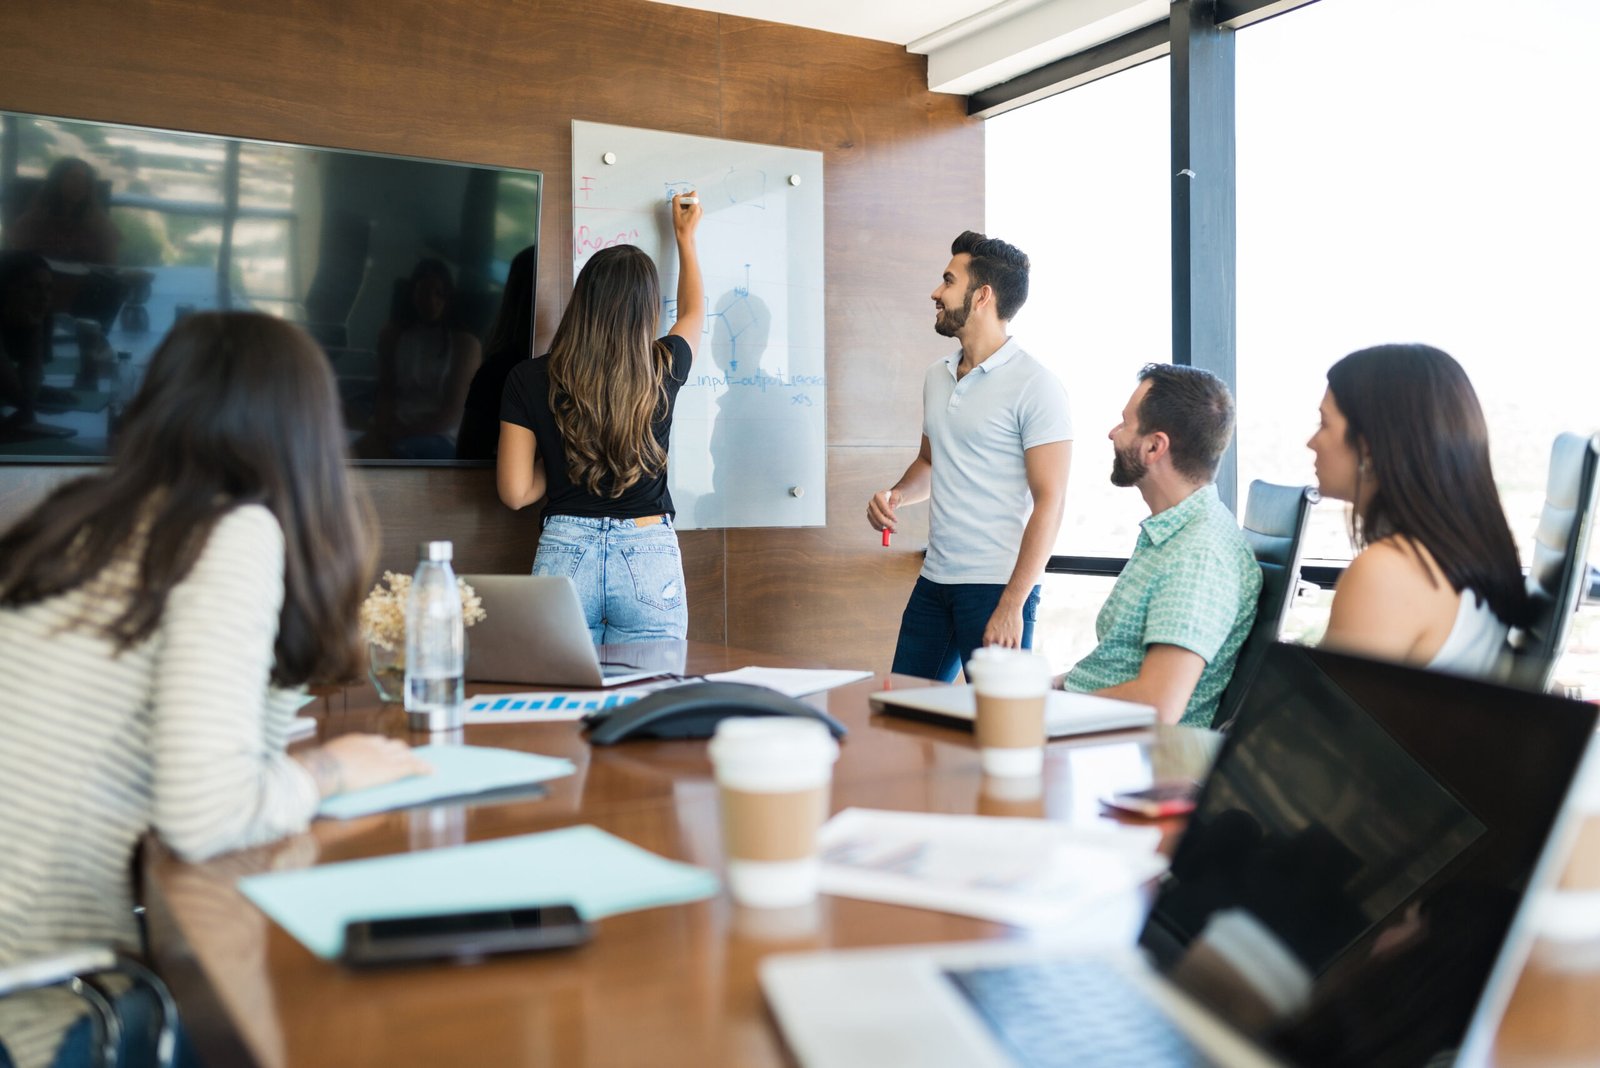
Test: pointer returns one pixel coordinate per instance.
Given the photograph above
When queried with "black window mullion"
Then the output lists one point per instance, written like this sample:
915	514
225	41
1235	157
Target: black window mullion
1204	304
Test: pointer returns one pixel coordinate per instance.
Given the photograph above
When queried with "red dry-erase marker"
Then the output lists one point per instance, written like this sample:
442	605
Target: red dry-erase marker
885	537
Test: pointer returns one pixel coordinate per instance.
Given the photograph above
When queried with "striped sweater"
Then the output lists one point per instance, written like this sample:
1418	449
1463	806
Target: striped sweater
181	734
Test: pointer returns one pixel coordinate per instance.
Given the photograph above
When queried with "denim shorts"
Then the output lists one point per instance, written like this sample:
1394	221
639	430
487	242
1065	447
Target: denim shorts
629	577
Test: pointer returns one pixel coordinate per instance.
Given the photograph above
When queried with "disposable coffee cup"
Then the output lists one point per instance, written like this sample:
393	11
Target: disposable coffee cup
773	774
1010	687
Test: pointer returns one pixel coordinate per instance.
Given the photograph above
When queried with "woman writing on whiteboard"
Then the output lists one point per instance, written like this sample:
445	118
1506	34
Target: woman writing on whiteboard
586	428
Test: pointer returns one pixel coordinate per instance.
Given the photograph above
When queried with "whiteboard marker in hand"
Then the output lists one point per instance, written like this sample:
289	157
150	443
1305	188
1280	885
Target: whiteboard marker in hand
688	200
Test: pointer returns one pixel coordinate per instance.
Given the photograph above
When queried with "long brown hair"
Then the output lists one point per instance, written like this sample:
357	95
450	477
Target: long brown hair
607	373
236	408
1429	444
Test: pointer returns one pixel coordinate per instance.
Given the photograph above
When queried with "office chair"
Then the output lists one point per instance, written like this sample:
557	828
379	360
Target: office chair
82	970
1560	569
1275	520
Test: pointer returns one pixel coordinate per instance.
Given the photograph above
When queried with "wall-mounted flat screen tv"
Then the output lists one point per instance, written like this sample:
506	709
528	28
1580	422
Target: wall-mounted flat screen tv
414	275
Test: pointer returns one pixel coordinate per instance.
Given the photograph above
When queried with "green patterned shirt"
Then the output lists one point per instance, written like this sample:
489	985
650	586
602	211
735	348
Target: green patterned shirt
1191	582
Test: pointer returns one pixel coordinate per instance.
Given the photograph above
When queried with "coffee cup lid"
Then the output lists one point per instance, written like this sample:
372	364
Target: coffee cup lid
1023	665
772	752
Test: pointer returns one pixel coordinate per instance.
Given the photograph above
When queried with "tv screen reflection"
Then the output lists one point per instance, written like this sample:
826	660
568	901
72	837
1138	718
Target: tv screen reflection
417	277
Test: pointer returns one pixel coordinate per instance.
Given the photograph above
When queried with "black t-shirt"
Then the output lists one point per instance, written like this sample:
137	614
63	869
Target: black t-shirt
526	402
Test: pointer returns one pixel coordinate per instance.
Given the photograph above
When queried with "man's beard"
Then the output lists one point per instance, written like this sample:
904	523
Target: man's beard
950	320
1126	467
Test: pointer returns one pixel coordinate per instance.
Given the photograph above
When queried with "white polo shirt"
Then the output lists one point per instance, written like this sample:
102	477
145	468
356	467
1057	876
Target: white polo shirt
978	429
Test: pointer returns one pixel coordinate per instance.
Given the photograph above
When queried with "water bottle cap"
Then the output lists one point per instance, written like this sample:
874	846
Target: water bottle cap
436	551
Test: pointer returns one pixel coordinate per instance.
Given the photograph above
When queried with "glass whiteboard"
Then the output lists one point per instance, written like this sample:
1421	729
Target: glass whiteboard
749	439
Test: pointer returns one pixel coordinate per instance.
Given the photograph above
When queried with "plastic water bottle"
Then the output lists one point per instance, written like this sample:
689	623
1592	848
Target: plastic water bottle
435	642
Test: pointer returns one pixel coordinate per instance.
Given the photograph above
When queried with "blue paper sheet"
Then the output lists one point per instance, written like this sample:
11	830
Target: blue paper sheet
598	873
458	771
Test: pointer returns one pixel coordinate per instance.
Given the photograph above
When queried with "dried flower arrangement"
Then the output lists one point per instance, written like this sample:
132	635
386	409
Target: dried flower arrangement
383	613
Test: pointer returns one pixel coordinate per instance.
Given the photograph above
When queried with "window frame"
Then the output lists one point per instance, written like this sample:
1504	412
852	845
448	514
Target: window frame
1198	36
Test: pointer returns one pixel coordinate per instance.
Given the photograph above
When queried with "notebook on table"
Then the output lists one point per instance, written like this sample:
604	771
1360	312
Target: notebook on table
1355	887
533	630
1064	714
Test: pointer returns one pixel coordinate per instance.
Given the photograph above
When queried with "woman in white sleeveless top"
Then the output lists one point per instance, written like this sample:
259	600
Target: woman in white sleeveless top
1436	581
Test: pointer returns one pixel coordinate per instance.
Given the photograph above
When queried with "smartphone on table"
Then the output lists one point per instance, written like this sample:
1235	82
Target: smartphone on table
1155	802
462	935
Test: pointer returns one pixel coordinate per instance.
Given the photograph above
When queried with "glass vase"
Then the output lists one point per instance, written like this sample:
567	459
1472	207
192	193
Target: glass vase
387	670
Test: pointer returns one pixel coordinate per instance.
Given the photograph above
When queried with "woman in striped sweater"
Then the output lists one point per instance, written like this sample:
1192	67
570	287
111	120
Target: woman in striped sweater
157	622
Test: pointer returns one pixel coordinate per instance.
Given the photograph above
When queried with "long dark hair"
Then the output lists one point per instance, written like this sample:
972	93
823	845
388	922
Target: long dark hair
1429	444
608	372
236	408
428	267
511	335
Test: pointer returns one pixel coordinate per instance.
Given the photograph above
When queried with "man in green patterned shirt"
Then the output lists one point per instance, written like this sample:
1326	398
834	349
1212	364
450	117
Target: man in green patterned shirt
1170	631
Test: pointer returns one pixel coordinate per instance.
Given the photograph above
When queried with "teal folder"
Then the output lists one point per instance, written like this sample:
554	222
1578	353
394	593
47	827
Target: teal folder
459	772
598	873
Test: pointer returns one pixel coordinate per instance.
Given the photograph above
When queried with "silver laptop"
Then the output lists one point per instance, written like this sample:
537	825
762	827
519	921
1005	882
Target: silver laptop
533	631
1064	714
1354	888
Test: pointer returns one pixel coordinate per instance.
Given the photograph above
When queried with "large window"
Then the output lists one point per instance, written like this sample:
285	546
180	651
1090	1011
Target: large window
1078	181
1408	170
1419	170
1438	190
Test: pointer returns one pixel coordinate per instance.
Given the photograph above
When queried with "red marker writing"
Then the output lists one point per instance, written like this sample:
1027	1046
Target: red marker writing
885	537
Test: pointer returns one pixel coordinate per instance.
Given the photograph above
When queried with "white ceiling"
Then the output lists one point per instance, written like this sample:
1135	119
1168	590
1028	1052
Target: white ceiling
896	21
970	44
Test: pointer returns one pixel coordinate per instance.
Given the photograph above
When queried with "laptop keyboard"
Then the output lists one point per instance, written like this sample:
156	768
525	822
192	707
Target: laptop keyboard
1075	1012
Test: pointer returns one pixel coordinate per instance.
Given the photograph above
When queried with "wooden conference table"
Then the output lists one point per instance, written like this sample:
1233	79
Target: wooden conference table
668	986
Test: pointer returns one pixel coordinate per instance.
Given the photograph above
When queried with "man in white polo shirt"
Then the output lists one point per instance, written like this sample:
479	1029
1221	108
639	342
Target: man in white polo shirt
996	449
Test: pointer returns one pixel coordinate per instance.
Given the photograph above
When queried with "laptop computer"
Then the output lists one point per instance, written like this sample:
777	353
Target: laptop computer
534	631
1354	888
1065	714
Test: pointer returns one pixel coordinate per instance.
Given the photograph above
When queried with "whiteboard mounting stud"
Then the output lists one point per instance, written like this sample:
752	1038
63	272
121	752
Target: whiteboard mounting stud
797	491
794	179
609	158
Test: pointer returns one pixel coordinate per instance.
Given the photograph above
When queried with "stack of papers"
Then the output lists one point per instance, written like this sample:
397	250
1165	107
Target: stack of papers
1032	873
459	772
796	682
597	873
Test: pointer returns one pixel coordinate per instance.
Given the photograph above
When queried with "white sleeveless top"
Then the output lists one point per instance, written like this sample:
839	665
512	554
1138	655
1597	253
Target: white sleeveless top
1476	642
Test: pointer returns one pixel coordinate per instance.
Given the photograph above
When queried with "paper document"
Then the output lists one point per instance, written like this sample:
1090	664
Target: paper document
1031	873
597	873
458	771
796	682
547	706
302	727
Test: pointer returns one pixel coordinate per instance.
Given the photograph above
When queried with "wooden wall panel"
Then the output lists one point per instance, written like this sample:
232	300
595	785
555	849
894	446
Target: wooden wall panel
499	82
832	592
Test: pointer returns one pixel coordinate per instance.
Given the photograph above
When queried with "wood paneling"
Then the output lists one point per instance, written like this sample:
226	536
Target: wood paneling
499	82
835	589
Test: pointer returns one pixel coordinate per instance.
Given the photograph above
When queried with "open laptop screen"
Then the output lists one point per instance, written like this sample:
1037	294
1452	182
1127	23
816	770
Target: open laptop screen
1357	855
